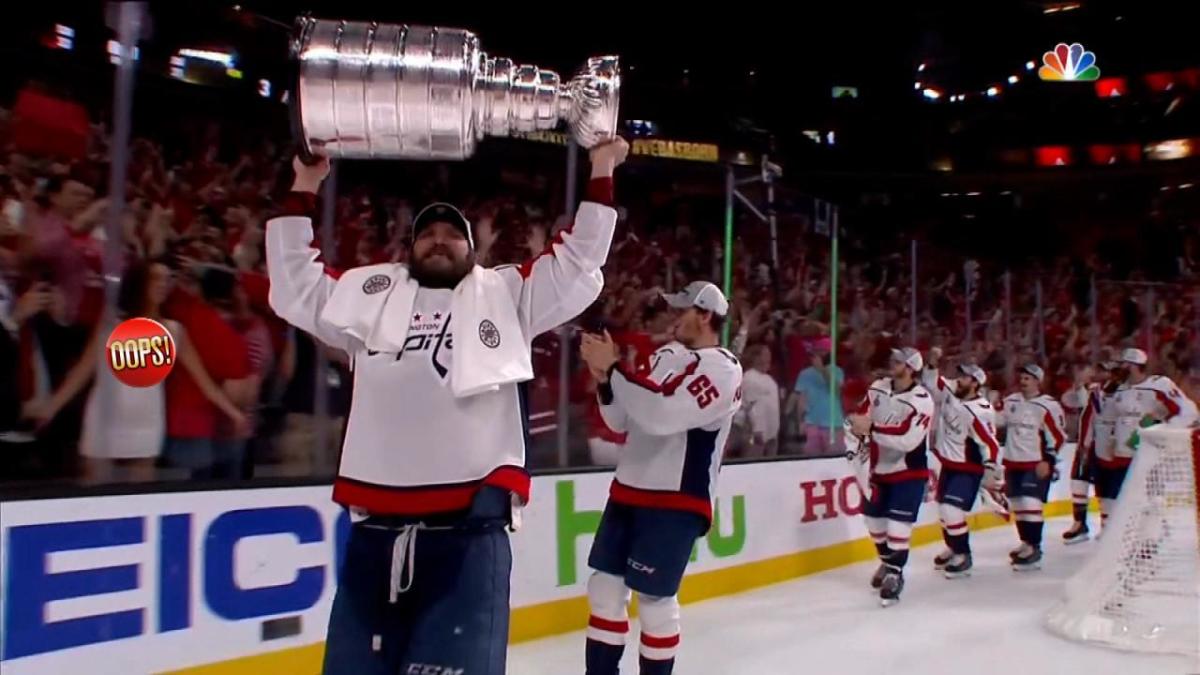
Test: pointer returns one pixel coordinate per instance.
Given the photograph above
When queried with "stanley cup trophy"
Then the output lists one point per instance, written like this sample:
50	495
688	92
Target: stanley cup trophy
383	91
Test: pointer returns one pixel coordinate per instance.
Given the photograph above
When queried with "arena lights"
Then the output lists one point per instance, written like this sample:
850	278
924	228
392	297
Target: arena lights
1013	79
1060	7
992	91
226	59
114	52
64	37
931	93
1176	148
1030	65
921	68
917	85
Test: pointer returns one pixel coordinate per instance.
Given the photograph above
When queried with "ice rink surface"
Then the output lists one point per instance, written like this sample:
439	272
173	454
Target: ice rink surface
831	624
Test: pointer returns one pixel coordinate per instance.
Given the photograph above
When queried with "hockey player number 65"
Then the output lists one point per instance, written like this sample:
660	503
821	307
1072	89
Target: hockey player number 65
703	391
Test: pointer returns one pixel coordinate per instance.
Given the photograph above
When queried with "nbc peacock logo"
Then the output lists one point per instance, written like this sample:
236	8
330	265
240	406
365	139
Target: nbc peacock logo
1069	64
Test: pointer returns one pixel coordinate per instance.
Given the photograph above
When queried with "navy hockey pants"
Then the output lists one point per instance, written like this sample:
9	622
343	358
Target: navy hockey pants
415	598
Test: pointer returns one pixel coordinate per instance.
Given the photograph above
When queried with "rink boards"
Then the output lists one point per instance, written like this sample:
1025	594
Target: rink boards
241	581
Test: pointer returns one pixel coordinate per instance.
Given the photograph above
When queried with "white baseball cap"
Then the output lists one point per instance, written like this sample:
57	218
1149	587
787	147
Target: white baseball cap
1035	370
1135	356
701	294
910	357
973	371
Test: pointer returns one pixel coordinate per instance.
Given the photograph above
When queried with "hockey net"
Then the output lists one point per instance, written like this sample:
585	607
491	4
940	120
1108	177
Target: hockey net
1141	589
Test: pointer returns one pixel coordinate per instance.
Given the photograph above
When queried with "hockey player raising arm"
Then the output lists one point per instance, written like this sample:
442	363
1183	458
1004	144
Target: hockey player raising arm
968	452
433	462
894	421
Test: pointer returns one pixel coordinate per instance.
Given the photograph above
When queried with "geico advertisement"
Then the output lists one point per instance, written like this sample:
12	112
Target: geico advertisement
146	583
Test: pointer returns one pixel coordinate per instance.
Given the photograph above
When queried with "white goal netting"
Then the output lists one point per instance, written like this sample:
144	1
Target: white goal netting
1141	588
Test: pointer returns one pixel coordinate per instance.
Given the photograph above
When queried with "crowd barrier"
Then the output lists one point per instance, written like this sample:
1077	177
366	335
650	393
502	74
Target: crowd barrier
241	581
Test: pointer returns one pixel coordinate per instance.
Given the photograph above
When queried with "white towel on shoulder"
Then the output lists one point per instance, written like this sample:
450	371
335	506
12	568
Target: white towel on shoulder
373	305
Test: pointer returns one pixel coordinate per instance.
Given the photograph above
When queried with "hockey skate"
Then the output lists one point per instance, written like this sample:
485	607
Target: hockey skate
1077	534
1016	552
877	578
958	567
893	584
1027	559
939	562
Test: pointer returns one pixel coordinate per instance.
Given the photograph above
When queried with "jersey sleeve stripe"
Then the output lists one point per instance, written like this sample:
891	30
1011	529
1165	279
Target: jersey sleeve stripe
984	433
600	191
1054	430
897	429
1171	406
668	387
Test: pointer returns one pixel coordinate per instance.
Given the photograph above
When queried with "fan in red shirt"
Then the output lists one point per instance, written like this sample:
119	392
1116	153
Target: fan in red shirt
192	440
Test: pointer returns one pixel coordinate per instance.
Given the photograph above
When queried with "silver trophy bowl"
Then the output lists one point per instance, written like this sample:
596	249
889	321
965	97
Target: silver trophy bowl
385	91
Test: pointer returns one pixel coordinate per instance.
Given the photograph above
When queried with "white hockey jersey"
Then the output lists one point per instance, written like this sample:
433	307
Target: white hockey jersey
1034	430
1098	422
677	417
899	438
411	447
1156	397
966	431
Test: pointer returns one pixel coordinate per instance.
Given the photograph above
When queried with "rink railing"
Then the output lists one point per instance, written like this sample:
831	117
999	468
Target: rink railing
241	581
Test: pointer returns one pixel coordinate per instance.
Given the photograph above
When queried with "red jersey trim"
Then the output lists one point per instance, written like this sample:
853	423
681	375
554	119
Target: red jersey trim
897	430
1057	433
1171	406
600	191
426	499
962	467
901	476
659	499
298	204
1115	463
666	388
304	204
1021	466
992	446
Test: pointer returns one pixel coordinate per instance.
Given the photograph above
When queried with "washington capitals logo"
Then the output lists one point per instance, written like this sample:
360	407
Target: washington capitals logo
376	284
439	338
489	335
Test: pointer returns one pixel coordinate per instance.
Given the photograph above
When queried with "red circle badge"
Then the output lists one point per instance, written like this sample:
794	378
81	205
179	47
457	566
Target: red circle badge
141	352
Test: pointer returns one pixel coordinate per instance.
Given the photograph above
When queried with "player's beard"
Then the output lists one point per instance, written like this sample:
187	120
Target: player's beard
964	392
440	277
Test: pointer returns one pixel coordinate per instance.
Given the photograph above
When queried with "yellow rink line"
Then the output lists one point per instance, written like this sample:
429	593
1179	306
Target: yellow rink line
571	614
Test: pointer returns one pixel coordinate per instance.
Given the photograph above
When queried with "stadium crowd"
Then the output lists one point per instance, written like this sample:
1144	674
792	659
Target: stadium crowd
246	392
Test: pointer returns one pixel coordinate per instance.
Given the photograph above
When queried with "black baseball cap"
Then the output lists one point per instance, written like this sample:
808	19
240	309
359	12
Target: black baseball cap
444	213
